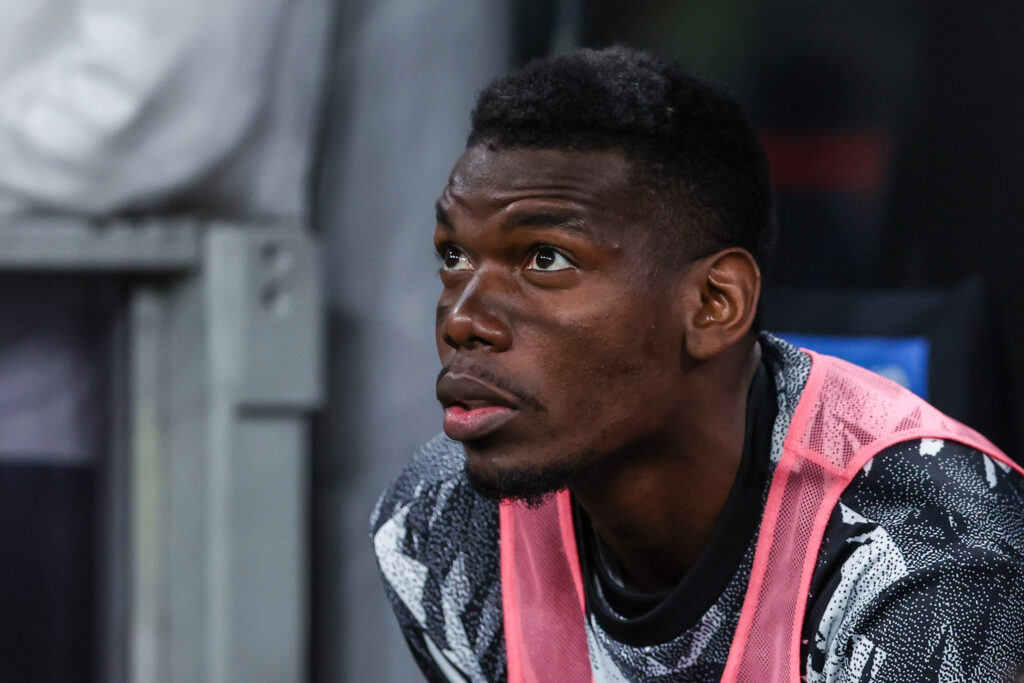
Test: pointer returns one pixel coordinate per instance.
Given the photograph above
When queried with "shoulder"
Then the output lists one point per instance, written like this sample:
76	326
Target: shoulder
436	465
430	514
937	495
921	570
437	545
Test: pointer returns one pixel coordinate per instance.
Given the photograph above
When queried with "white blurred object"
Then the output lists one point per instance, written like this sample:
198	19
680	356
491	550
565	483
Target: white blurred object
895	373
123	104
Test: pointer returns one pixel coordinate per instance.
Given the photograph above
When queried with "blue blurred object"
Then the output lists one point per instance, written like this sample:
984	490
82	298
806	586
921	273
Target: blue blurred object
904	360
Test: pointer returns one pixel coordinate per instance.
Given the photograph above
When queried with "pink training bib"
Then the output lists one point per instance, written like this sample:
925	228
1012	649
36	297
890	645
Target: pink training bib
846	415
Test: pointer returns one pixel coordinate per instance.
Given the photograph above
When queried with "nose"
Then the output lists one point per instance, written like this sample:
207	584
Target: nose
473	321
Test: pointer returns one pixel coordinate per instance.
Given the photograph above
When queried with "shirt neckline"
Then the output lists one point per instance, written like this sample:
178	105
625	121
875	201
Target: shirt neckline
642	618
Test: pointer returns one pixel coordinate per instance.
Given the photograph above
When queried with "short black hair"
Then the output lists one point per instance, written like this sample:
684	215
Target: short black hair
682	135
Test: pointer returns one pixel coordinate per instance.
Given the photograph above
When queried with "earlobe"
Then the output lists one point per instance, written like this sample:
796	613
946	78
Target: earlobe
729	286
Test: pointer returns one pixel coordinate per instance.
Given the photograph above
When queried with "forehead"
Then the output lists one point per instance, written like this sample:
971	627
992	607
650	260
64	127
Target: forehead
485	179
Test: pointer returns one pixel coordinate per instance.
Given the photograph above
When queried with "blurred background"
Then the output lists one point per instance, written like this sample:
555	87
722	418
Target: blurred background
216	335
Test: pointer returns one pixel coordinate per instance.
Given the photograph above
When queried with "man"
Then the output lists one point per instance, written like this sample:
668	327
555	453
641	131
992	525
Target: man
681	498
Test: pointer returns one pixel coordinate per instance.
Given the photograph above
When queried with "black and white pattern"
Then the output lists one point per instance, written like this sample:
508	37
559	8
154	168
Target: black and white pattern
920	576
436	541
921	573
697	654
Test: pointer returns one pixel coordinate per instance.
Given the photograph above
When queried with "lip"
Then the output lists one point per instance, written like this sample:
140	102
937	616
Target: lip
463	424
472	407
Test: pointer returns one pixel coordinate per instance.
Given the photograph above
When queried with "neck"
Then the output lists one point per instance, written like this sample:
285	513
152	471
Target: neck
655	503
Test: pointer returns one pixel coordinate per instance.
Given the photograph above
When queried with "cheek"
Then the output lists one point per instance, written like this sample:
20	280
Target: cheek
598	368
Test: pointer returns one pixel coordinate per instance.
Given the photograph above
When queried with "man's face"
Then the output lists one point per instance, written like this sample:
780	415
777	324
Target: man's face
555	325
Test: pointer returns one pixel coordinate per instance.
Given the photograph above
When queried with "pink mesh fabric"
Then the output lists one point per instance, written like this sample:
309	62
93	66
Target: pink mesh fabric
846	415
542	594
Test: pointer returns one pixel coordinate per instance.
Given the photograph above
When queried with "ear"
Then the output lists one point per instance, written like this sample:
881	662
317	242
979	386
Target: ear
724	289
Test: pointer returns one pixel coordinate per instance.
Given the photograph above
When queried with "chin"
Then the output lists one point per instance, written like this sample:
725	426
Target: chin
530	484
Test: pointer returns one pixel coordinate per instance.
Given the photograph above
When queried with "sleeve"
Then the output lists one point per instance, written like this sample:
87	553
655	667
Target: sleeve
133	101
921	572
952	622
416	638
405	580
436	542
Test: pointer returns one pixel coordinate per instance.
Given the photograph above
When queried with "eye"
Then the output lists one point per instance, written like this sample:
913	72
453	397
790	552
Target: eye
548	259
453	258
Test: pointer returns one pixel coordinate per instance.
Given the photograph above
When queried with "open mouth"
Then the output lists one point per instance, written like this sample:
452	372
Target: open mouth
464	423
473	407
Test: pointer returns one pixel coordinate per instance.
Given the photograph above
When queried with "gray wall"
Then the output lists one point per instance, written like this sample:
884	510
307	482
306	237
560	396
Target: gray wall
406	74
